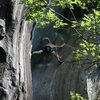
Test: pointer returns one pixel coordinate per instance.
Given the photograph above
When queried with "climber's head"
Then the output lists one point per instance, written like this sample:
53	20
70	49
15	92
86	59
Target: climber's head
45	41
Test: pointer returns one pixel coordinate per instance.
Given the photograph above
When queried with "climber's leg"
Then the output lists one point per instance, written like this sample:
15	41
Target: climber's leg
57	57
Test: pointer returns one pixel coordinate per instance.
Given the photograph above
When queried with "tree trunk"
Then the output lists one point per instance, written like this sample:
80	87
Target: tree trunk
15	45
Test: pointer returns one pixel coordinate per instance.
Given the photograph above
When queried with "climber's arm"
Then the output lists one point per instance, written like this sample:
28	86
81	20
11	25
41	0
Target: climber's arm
37	52
46	38
57	46
60	46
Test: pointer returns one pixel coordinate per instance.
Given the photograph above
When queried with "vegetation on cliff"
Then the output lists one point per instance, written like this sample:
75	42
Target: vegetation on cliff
84	19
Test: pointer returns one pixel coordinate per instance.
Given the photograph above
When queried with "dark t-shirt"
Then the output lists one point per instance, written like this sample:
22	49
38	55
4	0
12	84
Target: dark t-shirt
47	49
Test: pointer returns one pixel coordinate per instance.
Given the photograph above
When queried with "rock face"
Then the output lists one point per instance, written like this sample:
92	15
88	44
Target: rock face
52	81
15	43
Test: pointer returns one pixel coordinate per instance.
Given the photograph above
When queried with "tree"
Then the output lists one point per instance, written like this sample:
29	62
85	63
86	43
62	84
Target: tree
87	27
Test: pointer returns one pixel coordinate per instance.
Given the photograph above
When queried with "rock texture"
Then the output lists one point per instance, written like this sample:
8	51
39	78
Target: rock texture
52	81
15	43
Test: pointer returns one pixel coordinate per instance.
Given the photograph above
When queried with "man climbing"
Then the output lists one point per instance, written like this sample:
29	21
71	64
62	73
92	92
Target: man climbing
49	47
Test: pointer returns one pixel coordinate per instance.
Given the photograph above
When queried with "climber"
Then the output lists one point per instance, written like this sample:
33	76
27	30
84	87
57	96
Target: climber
49	47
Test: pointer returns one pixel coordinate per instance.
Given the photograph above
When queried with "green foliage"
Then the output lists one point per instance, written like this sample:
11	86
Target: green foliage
91	22
90	50
89	32
76	96
51	17
88	28
41	9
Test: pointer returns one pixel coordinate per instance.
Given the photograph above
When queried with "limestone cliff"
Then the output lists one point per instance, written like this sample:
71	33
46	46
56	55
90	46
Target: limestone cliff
15	43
